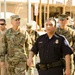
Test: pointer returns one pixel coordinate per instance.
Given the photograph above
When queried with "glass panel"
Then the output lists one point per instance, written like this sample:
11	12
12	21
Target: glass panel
16	0
67	2
58	2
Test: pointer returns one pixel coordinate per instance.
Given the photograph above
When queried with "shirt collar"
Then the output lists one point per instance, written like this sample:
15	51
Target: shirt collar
55	35
16	32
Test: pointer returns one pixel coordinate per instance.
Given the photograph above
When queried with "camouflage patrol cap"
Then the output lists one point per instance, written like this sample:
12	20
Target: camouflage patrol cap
14	17
63	17
29	25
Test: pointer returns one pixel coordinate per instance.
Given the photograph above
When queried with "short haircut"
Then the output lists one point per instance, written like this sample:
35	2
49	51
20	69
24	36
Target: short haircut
51	19
3	20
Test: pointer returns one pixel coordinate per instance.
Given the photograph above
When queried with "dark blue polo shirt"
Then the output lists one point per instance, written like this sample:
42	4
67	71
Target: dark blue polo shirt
51	50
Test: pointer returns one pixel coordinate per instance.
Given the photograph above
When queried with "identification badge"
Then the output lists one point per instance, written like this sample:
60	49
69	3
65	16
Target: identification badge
57	41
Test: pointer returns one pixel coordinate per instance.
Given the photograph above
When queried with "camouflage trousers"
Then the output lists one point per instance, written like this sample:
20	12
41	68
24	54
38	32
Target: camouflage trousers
73	64
18	69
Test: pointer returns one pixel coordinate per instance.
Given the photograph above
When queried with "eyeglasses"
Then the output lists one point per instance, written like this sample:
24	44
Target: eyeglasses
2	24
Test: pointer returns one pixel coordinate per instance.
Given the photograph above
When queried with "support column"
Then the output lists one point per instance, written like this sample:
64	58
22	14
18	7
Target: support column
40	15
64	8
4	9
29	10
36	22
0	8
47	9
36	13
44	13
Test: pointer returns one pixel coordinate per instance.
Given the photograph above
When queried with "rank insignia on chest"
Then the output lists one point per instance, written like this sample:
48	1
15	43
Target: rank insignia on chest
56	41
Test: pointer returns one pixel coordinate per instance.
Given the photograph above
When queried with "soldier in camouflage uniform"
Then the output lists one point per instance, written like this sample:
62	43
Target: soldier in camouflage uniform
33	35
65	31
73	32
16	41
2	52
73	53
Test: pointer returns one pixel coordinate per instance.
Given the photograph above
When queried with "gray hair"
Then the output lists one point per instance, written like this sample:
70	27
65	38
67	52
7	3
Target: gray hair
51	19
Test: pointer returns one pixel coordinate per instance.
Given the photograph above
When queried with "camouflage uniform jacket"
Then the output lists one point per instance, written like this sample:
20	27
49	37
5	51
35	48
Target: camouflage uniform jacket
73	40
73	33
71	26
72	30
2	51
16	42
34	35
66	33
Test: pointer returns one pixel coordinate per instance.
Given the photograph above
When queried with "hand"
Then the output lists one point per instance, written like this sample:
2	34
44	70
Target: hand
67	72
2	63
30	62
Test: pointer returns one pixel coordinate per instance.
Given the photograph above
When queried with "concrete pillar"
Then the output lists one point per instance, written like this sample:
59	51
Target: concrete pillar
4	9
64	7
0	8
47	9
29	10
40	15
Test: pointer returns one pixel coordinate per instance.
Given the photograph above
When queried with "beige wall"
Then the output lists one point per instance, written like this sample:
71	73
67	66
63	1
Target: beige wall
19	8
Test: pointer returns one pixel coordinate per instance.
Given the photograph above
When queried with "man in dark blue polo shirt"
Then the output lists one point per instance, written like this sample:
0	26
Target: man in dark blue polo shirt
52	48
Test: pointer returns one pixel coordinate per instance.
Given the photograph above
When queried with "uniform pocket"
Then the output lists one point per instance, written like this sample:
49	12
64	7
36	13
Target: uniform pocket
56	46
57	50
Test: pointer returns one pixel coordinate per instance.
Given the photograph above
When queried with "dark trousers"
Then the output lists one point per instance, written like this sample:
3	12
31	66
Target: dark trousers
51	71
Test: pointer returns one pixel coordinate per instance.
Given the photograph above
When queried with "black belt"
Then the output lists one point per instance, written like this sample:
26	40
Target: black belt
48	65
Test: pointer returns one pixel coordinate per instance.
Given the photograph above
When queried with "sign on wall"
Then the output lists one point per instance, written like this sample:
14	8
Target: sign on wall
36	9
